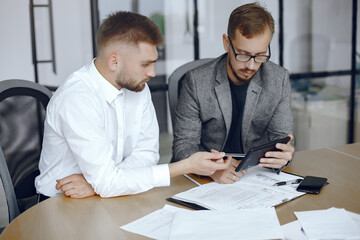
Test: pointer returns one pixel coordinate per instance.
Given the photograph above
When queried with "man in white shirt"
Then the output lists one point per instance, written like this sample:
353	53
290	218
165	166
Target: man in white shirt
101	132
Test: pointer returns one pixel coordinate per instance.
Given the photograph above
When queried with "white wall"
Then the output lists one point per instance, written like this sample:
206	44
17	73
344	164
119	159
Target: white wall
15	45
72	32
107	7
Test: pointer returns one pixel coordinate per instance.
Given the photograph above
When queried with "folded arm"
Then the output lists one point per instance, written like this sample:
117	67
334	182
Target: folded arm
83	126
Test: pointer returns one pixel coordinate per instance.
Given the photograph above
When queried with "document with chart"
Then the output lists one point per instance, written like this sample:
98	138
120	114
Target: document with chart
258	188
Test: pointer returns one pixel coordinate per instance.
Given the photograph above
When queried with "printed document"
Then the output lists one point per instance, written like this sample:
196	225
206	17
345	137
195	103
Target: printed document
254	190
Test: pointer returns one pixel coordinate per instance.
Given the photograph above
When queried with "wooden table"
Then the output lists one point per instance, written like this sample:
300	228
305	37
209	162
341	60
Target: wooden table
94	218
352	150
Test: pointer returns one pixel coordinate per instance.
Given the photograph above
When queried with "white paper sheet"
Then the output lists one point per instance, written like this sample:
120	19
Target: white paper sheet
333	223
355	217
292	231
253	190
156	224
229	224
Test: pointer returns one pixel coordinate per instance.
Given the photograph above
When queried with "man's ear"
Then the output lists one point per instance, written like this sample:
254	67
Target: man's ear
226	43
113	62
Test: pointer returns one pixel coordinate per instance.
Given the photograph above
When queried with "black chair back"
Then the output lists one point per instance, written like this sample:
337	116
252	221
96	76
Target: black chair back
22	113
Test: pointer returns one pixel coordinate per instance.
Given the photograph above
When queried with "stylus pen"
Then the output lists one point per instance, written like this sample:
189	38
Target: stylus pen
296	181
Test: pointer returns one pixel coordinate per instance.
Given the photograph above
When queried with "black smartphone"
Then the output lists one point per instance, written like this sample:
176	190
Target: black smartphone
312	184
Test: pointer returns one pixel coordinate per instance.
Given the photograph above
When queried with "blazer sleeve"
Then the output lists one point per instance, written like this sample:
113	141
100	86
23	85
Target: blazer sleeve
187	128
281	123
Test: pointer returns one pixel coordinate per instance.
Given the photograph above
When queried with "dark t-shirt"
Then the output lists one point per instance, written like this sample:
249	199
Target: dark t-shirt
238	96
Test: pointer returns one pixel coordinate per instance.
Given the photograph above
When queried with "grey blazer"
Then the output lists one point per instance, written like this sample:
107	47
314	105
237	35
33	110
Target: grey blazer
204	110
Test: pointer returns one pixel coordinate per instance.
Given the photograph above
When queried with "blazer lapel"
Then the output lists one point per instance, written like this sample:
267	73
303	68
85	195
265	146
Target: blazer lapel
252	98
223	94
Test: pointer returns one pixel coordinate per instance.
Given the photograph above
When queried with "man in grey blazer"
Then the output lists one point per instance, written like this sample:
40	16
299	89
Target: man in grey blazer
239	100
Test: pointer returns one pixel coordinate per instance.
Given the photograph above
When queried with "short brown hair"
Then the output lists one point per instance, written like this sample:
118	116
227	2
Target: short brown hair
250	19
127	27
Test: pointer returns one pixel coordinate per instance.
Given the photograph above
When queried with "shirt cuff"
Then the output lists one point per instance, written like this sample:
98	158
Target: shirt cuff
161	175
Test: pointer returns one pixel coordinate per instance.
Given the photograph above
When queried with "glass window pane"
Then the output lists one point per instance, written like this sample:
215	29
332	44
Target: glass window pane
314	39
321	112
179	32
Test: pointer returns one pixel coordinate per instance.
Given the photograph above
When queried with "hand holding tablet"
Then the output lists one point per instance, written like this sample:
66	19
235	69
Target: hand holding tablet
254	155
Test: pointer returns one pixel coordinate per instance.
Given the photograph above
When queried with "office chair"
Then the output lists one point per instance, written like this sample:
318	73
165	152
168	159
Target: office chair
13	209
175	83
21	131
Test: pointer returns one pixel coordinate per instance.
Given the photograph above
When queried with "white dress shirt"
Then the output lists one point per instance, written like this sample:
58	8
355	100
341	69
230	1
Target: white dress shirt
111	136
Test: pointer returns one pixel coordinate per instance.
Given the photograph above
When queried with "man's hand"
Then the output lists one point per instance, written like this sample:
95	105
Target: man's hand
206	164
228	175
202	163
278	159
75	186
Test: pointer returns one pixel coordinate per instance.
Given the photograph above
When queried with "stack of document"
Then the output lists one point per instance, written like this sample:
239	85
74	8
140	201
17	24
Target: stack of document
257	223
257	189
175	223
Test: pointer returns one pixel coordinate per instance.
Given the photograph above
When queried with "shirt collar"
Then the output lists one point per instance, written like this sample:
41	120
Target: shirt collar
110	92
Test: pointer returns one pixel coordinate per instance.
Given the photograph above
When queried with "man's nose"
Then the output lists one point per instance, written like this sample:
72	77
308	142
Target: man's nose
151	72
251	64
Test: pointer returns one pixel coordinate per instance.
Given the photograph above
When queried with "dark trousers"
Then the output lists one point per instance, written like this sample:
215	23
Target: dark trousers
42	197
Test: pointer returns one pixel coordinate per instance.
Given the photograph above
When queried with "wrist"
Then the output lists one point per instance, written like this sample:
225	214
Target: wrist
175	169
179	168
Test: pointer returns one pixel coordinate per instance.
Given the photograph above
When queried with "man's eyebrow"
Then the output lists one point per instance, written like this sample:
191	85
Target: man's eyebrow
249	53
150	61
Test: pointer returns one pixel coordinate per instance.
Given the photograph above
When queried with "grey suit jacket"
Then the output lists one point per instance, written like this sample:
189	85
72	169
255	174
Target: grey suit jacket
204	109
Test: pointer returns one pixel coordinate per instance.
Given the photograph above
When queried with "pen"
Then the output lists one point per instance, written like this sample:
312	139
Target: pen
185	175
296	181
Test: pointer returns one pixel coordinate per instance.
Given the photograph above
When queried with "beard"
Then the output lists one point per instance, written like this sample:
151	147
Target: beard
240	79
125	81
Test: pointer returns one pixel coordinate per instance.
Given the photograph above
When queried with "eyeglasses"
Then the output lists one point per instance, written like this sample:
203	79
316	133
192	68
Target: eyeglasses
247	57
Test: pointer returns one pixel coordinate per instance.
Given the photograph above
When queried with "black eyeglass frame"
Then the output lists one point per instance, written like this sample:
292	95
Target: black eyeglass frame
250	56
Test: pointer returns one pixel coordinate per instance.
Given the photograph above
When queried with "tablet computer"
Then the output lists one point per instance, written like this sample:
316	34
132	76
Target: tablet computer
252	158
